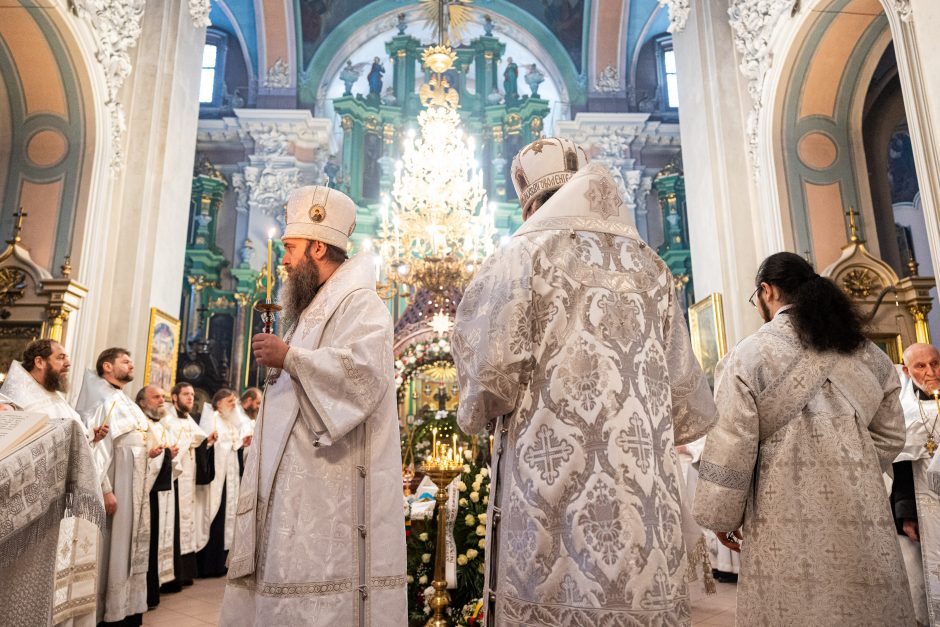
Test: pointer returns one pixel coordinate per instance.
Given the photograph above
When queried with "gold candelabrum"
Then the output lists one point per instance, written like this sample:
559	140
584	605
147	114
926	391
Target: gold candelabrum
443	466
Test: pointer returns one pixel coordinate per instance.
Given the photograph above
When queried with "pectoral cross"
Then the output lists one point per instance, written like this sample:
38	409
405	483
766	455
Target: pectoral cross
931	445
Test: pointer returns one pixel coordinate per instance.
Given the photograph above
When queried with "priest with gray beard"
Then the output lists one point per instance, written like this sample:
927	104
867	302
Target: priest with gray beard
322	487
152	402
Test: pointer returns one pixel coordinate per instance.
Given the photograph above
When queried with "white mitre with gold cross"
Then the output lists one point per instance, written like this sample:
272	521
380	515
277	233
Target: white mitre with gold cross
320	213
543	166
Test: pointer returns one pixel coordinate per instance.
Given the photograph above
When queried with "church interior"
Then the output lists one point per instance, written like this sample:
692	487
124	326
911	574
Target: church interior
148	149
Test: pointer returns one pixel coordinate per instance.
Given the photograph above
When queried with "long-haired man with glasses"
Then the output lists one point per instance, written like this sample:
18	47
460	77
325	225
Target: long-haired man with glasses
809	417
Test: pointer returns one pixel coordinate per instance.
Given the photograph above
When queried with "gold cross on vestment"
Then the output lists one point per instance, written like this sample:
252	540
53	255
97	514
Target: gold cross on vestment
536	146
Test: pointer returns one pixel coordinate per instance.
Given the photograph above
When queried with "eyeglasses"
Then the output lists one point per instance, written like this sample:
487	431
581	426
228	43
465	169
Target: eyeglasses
751	299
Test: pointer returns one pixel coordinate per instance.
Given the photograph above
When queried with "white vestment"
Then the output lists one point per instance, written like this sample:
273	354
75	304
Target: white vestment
164	436
209	497
721	557
320	536
123	454
570	337
925	581
77	551
185	434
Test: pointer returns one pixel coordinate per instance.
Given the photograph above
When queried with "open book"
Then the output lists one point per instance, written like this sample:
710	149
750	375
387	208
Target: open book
18	428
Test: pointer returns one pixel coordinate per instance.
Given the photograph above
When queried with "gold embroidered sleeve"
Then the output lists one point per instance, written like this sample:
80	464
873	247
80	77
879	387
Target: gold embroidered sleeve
693	406
492	338
727	465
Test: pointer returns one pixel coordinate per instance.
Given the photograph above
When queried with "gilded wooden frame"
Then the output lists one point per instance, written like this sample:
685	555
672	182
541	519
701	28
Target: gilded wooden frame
707	328
168	328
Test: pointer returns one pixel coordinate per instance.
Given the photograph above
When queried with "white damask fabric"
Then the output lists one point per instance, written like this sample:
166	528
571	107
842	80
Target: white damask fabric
797	459
320	536
77	551
187	435
571	335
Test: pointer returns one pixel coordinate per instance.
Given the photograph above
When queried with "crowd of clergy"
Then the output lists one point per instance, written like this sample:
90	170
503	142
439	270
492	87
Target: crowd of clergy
169	475
808	463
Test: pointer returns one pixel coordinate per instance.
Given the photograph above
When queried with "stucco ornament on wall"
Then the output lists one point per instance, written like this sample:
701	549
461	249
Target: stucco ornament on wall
116	25
678	13
754	23
199	12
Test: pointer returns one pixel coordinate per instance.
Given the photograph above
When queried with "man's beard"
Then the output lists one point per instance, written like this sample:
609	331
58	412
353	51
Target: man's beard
763	309
127	377
183	410
251	412
55	381
298	291
229	415
156	414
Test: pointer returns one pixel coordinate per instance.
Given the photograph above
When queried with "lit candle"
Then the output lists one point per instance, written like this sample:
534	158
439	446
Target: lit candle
491	445
270	281
434	442
936	399
454	439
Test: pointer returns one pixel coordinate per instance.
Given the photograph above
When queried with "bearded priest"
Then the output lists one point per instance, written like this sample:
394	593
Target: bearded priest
320	507
131	458
38	384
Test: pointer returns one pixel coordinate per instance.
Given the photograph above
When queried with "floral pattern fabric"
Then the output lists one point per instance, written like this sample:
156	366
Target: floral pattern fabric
571	338
796	458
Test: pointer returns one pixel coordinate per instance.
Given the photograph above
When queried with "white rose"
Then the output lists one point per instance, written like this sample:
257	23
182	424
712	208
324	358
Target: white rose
411	579
423	537
485	472
462	560
470	520
475	497
462	486
462	502
423	579
486	500
481	530
466	468
467	455
426	558
480	567
471	553
476	486
482	518
482	543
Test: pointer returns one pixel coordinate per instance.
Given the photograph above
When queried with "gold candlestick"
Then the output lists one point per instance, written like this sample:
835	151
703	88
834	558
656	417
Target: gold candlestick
268	312
442	471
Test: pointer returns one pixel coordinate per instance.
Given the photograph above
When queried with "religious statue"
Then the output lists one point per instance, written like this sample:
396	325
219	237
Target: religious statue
350	74
375	78
511	81
247	253
331	171
494	97
402	26
487	26
534	77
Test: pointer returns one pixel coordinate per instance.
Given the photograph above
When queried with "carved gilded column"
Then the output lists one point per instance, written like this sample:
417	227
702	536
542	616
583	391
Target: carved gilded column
921	329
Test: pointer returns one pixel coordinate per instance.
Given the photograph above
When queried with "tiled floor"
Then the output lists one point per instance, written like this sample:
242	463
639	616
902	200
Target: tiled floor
201	603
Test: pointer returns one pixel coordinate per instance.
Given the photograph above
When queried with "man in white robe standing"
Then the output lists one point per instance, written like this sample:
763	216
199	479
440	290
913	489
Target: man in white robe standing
38	384
131	458
571	339
193	445
320	537
916	506
216	502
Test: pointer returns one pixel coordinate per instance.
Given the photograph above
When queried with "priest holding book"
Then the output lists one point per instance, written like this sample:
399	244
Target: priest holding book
37	384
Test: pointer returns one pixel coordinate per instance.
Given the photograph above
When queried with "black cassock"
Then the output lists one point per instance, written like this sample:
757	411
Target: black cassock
163	483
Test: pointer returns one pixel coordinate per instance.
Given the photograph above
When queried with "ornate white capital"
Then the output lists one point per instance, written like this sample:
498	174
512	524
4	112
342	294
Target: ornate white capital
116	25
278	75
199	11
678	13
608	80
903	9
753	23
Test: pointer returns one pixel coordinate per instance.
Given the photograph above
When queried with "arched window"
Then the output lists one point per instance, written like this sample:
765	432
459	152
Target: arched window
666	64
212	78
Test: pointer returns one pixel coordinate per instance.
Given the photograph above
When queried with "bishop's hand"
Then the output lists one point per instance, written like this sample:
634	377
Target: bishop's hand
156	452
269	350
100	432
110	503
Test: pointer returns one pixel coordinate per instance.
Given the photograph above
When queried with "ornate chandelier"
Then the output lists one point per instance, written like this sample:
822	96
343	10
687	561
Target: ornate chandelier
437	226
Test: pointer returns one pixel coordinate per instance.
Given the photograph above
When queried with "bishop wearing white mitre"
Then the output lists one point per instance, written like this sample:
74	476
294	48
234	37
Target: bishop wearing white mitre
320	536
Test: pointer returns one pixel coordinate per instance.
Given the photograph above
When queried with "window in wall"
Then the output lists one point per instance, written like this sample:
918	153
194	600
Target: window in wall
207	82
212	93
671	83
